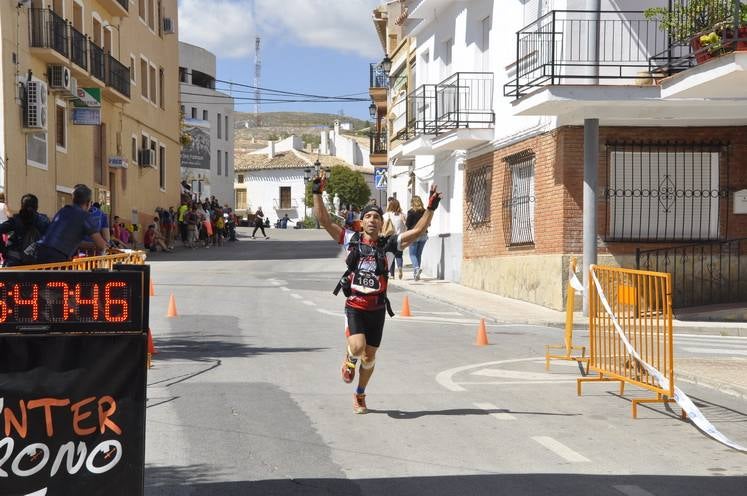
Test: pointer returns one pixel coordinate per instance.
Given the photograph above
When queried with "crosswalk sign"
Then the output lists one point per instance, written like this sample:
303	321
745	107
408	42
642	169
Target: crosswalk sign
380	177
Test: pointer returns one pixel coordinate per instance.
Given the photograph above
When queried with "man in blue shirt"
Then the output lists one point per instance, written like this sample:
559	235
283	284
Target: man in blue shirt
68	228
103	222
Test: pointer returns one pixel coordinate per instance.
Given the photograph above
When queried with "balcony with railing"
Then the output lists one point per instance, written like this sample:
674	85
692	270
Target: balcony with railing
118	79
378	148
49	35
618	48
97	63
577	47
79	49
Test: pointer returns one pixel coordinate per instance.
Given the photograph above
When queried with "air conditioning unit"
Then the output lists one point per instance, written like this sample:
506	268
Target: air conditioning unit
168	25
147	158
35	111
59	78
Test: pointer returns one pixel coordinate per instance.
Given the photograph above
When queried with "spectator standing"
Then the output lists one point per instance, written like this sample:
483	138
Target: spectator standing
394	225
259	223
192	221
181	211
26	227
68	228
4	211
416	248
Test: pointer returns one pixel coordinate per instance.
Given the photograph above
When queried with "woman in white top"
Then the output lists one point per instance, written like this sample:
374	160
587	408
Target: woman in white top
394	215
4	212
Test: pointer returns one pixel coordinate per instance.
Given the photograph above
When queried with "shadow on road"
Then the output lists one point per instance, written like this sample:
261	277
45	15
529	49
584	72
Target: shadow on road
199	480
399	414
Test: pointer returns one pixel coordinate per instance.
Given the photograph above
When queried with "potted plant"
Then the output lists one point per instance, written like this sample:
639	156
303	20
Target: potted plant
691	20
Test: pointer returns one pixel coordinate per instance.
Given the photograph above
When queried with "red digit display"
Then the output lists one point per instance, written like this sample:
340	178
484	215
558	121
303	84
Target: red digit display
66	310
73	301
3	305
93	301
32	302
110	302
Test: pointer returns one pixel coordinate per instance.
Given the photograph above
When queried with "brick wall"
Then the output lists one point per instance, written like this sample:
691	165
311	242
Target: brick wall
559	164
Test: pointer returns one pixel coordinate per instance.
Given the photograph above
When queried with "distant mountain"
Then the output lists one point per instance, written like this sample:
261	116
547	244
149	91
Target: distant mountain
279	120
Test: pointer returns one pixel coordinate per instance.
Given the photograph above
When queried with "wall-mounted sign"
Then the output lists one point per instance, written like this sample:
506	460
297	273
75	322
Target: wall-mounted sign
197	154
88	97
380	178
118	162
740	201
87	116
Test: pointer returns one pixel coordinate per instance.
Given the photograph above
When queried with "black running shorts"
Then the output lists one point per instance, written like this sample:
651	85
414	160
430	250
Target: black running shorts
367	322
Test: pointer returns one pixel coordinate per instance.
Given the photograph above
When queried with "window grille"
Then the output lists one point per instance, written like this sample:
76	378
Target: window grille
518	207
478	195
666	191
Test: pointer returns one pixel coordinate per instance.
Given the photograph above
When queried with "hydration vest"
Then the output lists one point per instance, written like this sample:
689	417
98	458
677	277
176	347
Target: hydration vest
352	262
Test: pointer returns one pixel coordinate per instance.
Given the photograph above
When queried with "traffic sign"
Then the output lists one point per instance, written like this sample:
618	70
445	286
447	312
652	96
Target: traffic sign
380	177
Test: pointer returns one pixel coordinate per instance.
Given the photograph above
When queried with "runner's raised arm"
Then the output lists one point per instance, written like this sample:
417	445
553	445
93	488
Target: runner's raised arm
320	211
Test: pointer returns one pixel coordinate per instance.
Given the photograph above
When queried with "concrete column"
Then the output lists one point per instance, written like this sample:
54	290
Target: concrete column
591	162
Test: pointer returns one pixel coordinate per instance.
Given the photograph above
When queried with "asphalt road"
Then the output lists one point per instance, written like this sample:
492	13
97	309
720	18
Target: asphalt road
245	397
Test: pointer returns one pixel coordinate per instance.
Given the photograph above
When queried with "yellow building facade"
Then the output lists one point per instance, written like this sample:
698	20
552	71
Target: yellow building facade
90	95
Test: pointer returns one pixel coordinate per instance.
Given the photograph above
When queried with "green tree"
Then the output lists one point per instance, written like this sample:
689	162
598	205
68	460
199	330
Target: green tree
349	185
312	139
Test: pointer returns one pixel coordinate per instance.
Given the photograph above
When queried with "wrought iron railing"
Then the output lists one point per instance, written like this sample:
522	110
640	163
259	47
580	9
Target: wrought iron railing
584	47
78	48
464	100
117	76
519	199
49	30
378	142
98	66
663	192
479	183
688	20
702	274
378	78
421	111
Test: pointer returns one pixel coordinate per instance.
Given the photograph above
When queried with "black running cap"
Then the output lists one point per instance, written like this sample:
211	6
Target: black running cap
371	208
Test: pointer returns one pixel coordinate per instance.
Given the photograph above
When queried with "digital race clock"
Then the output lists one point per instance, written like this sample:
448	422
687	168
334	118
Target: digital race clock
65	301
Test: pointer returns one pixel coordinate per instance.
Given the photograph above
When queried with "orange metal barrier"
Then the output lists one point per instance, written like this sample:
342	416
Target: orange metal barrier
568	337
642	304
89	263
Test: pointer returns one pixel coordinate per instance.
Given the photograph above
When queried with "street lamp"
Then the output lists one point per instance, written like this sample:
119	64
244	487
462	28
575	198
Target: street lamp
386	64
306	179
317	170
372	110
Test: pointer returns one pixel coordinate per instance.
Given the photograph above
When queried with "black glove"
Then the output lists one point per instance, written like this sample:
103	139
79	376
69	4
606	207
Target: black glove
317	185
434	198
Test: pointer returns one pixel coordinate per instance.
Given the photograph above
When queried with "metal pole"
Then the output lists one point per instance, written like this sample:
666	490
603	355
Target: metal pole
591	161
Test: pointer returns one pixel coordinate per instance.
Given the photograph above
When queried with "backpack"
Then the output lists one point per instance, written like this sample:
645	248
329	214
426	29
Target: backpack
352	266
23	251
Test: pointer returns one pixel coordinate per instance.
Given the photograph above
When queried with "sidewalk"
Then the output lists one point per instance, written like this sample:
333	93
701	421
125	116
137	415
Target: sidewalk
728	375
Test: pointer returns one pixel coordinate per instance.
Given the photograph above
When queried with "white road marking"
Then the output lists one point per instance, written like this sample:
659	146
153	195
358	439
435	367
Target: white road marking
509	383
633	491
497	415
709	336
519	374
284	288
562	363
716	351
309	303
561	449
328	312
444	378
297	296
419	318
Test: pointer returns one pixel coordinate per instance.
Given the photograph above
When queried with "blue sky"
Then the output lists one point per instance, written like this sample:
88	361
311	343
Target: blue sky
308	46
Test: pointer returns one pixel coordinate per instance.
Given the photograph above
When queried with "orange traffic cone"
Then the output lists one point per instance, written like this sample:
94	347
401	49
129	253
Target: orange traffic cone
151	348
172	307
405	312
482	336
152	289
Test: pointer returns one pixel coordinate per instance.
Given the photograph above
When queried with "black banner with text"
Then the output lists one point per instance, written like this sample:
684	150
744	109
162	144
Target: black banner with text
72	414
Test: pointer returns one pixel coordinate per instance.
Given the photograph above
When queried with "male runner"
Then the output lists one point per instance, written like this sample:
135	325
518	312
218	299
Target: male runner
365	282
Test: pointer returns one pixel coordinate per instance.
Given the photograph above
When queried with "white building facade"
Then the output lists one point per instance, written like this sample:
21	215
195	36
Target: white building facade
543	122
207	164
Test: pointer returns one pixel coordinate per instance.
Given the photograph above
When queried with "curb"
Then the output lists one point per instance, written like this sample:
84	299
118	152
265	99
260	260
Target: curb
719	386
678	328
